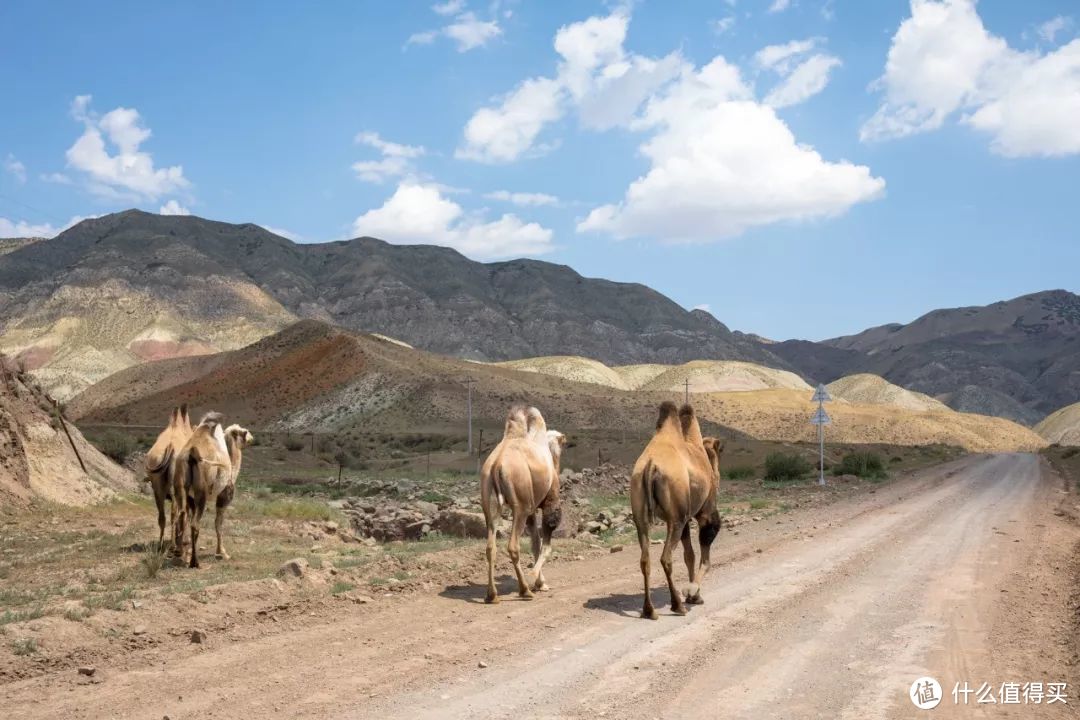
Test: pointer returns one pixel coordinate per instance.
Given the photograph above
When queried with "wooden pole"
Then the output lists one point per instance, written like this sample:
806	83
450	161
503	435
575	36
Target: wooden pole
74	449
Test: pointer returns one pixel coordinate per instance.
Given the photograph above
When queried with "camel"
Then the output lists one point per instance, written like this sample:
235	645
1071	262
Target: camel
676	478
522	472
202	472
159	464
236	439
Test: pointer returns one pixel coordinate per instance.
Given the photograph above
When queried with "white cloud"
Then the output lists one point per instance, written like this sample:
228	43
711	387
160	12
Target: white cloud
1049	30
722	163
722	25
779	6
129	172
16	168
418	213
807	79
173	208
396	159
58	178
943	63
802	75
523	199
466	30
595	76
506	132
450	7
21	228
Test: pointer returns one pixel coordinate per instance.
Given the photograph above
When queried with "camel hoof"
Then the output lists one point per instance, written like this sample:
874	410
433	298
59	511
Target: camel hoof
649	614
694	599
526	594
541	587
491	599
678	609
223	556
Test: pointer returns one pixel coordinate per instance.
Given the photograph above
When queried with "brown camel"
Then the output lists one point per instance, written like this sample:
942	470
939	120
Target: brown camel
159	464
522	472
202	472
676	478
236	439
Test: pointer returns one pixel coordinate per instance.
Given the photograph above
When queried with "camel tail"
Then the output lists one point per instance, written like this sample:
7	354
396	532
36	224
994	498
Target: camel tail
649	492
499	480
165	464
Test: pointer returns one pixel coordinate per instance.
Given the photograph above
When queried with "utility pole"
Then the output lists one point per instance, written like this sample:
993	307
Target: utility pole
821	419
686	396
469	384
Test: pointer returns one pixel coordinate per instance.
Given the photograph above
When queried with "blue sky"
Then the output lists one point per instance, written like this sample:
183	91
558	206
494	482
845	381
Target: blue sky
803	169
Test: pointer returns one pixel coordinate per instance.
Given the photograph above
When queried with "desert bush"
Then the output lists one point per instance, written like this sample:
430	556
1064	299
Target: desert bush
24	646
785	466
153	559
740	471
293	444
1070	452
865	464
116	445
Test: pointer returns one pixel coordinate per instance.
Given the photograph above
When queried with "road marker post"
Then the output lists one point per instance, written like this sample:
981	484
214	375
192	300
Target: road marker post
821	419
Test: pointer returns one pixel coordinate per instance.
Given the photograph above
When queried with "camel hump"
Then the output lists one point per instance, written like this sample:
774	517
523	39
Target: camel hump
689	425
667	411
534	423
516	424
212	420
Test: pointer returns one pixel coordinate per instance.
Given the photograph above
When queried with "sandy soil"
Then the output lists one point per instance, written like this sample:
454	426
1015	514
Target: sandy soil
962	572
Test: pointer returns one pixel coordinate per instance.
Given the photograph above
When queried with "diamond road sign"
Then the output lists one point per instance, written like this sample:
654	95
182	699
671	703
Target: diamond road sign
820	417
821	395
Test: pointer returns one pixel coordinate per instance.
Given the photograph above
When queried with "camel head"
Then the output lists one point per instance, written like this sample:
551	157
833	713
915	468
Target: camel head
239	435
714	448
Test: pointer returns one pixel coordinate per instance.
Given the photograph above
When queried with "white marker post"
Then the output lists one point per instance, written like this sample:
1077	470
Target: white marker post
821	419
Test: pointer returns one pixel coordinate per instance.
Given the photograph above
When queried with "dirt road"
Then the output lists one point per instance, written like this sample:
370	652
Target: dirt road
963	573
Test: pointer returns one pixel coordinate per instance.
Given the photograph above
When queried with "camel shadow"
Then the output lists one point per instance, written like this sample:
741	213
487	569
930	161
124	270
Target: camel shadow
629	605
476	592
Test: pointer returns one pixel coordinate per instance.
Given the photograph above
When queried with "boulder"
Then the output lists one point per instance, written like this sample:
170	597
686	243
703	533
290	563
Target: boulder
297	567
461	523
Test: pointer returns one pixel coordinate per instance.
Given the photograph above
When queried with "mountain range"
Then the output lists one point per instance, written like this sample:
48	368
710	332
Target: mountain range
122	289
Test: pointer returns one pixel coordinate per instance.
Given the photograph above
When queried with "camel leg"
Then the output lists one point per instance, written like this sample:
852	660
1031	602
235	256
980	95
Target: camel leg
536	544
552	515
707	532
157	483
222	503
693	591
647	611
195	513
513	549
492	593
674	532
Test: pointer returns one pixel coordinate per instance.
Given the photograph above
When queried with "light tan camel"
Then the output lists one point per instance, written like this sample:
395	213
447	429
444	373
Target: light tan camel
522	473
236	439
159	464
202	471
676	478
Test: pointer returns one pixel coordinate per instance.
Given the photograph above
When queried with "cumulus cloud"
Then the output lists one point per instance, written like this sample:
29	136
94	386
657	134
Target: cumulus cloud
523	199
466	30
944	63
803	72
595	76
1049	30
173	208
23	229
17	170
396	160
419	213
127	171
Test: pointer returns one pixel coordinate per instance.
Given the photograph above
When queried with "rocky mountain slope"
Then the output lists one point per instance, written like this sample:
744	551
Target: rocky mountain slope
1026	349
37	460
867	388
124	288
316	377
1062	427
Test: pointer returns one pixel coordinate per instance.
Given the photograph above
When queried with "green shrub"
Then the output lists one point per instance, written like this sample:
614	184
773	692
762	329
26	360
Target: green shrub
784	466
293	444
116	445
24	646
865	464
741	471
341	586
